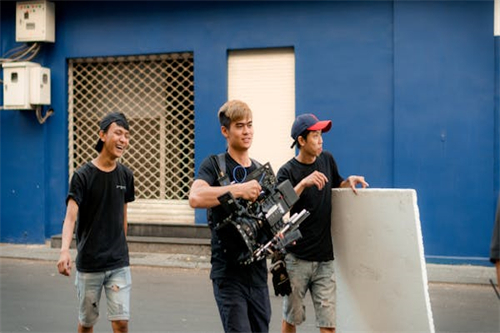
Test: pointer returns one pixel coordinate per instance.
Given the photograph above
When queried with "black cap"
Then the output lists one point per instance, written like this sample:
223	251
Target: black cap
113	117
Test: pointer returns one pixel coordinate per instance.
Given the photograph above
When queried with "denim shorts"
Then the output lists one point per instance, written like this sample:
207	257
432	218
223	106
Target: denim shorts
116	283
317	277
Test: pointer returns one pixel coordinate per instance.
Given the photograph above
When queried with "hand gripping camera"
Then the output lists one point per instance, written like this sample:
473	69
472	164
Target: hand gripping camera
259	226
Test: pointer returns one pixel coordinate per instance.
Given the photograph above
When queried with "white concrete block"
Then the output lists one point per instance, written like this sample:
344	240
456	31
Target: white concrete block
379	262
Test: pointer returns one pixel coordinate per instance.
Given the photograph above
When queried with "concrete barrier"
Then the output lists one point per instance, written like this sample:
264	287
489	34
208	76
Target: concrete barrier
379	262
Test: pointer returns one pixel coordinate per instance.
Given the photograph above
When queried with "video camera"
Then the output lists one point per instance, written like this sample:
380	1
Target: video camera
260	227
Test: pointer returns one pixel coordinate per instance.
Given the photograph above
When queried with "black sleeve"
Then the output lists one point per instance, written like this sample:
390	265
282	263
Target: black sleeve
130	194
337	179
208	171
283	174
76	188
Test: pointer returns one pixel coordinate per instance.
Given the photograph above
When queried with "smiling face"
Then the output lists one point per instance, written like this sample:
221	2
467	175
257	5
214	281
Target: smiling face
235	118
115	139
239	135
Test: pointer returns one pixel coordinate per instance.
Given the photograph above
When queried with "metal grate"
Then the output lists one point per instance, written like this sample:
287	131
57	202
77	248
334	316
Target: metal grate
156	93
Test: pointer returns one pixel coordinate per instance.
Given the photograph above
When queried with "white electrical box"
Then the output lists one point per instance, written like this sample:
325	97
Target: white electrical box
35	21
25	84
39	86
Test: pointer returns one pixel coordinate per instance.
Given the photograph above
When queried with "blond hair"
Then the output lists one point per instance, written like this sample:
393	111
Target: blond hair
233	110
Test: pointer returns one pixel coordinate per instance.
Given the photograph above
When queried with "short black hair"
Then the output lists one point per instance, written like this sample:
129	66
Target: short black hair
304	134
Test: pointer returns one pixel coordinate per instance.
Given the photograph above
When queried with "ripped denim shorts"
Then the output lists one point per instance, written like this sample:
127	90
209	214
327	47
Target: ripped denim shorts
116	283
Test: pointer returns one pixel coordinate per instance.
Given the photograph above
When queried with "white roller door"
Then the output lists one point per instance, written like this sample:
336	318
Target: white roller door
265	80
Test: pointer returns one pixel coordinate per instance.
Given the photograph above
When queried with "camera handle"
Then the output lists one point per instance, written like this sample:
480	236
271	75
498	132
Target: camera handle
285	236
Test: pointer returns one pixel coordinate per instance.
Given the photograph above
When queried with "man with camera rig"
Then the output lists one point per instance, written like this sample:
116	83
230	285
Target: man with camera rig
240	290
309	263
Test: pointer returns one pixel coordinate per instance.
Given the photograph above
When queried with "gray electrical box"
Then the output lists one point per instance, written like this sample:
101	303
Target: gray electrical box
35	21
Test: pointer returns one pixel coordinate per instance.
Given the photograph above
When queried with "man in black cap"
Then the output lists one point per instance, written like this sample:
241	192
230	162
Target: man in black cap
313	173
97	203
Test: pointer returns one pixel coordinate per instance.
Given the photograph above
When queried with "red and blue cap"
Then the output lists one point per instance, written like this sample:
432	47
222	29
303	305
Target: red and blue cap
309	122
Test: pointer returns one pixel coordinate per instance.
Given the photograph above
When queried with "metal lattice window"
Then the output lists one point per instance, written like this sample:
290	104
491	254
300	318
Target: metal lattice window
156	93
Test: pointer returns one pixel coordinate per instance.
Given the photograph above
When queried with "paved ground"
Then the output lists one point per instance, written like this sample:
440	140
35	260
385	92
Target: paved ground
172	293
35	298
462	274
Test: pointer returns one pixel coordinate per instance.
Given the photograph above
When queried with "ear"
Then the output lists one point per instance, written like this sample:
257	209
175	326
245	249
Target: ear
102	135
224	131
301	141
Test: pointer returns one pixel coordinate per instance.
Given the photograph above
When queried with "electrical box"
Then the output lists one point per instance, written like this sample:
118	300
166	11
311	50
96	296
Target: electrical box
35	21
25	84
39	86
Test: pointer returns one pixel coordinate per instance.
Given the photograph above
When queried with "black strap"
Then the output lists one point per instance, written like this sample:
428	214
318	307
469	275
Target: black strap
257	164
221	159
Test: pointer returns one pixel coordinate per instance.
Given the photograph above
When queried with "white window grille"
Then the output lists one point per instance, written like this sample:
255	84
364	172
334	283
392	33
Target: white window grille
156	93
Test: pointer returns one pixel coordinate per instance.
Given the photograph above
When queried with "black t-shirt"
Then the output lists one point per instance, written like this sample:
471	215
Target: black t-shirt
101	197
224	263
316	241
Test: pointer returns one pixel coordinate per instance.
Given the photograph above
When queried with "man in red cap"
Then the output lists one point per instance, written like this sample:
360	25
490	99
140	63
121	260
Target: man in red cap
313	173
97	205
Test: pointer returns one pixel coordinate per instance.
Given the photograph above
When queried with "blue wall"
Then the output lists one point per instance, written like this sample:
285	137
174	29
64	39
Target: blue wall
444	111
409	87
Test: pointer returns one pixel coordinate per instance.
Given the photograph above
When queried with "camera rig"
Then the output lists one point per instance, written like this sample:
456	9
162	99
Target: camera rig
260	226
